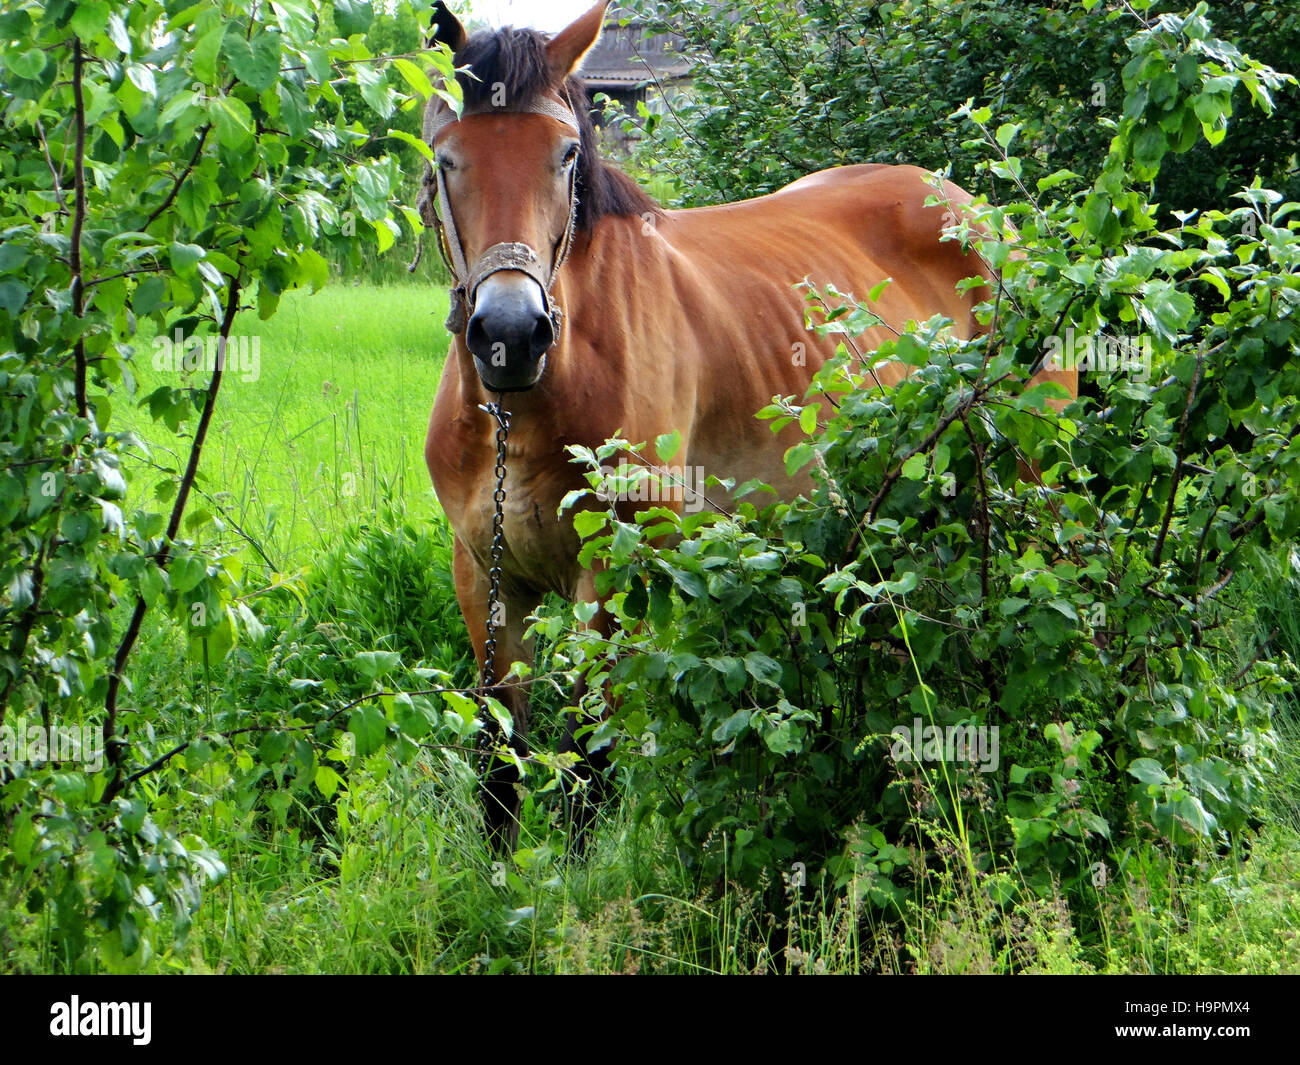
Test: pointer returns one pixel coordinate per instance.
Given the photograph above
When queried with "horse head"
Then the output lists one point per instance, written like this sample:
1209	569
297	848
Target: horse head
505	188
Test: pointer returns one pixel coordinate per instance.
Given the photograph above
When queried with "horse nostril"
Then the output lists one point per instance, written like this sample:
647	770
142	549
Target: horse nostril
476	336
502	338
543	337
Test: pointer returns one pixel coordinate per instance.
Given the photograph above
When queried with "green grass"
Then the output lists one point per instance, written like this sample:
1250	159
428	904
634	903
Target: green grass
390	874
347	379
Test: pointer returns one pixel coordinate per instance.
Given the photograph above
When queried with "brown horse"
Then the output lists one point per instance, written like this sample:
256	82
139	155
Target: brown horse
597	311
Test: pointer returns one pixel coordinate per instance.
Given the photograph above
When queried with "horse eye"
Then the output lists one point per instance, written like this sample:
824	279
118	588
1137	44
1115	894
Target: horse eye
571	155
446	162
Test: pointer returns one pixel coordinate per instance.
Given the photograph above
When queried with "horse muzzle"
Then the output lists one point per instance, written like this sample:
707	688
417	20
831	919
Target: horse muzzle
509	332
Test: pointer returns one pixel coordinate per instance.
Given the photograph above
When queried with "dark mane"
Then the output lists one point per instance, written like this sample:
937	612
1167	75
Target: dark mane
516	60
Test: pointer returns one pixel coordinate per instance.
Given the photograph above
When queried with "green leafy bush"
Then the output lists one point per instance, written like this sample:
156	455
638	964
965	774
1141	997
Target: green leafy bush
762	660
163	162
780	90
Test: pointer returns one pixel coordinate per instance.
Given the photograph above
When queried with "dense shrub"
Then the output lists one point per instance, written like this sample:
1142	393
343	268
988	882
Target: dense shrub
760	664
782	90
173	163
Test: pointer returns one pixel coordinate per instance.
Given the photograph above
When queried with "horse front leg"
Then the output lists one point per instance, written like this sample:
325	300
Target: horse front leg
499	789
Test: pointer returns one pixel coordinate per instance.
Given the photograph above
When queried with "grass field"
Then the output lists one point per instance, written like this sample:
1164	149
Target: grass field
341	402
389	873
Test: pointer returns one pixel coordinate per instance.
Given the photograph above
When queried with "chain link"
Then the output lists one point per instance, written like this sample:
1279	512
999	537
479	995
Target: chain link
494	572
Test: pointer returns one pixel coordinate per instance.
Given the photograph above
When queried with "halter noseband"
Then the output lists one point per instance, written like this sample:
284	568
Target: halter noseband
509	256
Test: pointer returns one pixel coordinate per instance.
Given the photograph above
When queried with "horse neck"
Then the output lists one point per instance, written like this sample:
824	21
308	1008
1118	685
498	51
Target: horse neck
608	270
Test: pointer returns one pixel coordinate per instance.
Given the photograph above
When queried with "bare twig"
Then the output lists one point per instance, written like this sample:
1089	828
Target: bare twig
54	173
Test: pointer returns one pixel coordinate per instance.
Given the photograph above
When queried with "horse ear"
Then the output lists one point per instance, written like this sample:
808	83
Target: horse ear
446	29
565	50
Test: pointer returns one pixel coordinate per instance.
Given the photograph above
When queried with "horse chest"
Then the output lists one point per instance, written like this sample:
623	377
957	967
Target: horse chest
538	551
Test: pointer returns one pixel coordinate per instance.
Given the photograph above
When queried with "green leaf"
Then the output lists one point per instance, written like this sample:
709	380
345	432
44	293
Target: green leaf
117	33
89	18
370	727
1148	771
375	90
732	727
13	295
233	121
781	739
383	234
184	257
374	664
205	54
1150	146
416	78
763	669
142	78
1096	210
26	64
257	62
798	457
667	444
626	538
911	351
327	781
636	601
152	585
352	16
413	141
315	268
1050	626
1056	178
587	522
186	571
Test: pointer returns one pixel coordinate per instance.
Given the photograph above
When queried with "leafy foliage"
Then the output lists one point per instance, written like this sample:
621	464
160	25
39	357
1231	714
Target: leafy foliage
875	81
161	161
763	660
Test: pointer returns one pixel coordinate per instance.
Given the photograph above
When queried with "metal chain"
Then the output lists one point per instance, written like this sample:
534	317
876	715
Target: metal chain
494	572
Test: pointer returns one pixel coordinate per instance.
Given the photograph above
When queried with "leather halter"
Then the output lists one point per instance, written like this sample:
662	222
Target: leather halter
507	256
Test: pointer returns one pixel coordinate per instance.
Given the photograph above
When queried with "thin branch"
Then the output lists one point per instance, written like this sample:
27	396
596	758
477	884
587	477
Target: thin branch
125	273
961	410
132	633
184	745
1178	464
180	180
1258	654
79	221
54	173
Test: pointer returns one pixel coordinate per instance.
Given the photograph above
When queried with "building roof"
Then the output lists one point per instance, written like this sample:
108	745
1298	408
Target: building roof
629	55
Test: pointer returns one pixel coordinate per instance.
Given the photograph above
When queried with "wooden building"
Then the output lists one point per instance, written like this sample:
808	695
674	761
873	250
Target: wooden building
631	65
